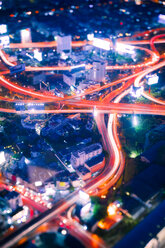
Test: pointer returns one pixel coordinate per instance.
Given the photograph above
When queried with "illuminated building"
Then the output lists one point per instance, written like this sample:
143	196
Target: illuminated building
64	44
13	198
3	28
102	44
81	156
97	73
69	79
62	183
83	172
4	40
96	163
26	35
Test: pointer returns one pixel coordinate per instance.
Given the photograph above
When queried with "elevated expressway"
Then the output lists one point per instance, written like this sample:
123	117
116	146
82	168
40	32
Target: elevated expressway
115	164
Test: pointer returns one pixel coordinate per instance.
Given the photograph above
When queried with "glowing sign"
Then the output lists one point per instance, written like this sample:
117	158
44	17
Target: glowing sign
3	28
153	79
105	45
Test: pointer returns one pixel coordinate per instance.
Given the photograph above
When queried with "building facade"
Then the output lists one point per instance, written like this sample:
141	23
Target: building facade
64	44
81	156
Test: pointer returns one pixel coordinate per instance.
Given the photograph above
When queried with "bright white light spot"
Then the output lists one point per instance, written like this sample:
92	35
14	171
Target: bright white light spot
78	66
135	121
26	35
161	18
49	205
63	232
103	44
3	28
111	209
133	154
95	112
86	209
32	110
152	79
2	157
64	221
37	55
83	195
137	91
27	161
63	56
5	41
85	227
50	191
122	48
90	36
38	183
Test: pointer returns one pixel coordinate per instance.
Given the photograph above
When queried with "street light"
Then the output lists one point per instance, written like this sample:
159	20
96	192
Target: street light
135	121
95	111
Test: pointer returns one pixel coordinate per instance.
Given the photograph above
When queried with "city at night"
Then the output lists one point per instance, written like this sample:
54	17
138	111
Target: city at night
82	124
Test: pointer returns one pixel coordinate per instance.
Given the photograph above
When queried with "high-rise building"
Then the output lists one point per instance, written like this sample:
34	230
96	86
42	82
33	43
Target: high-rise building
69	79
97	73
26	35
64	44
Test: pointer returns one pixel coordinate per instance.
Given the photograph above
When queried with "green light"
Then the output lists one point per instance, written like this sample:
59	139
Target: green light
133	154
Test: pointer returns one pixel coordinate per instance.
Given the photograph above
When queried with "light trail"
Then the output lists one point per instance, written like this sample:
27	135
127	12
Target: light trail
153	99
110	108
152	41
112	172
143	74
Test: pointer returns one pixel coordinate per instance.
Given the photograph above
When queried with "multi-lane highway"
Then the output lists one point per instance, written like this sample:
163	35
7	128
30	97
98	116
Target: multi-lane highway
115	163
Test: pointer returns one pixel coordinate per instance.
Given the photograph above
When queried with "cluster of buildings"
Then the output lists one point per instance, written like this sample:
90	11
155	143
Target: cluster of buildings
49	168
12	211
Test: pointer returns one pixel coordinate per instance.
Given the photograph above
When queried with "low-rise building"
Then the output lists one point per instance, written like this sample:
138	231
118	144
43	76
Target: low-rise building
64	43
79	157
69	79
74	180
13	198
83	172
97	73
62	183
95	164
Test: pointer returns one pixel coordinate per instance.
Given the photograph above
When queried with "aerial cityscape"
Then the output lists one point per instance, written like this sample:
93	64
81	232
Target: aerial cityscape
82	123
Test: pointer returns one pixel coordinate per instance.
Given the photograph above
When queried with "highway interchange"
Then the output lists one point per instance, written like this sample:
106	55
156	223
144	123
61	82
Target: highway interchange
110	104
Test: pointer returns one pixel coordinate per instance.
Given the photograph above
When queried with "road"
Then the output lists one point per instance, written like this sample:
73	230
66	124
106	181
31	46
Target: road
115	164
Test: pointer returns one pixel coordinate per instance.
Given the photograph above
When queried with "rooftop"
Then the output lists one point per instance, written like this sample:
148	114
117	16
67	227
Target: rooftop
96	160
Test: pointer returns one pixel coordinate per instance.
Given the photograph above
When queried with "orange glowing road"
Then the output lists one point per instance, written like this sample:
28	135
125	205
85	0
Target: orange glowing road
107	108
144	73
115	164
152	41
154	59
